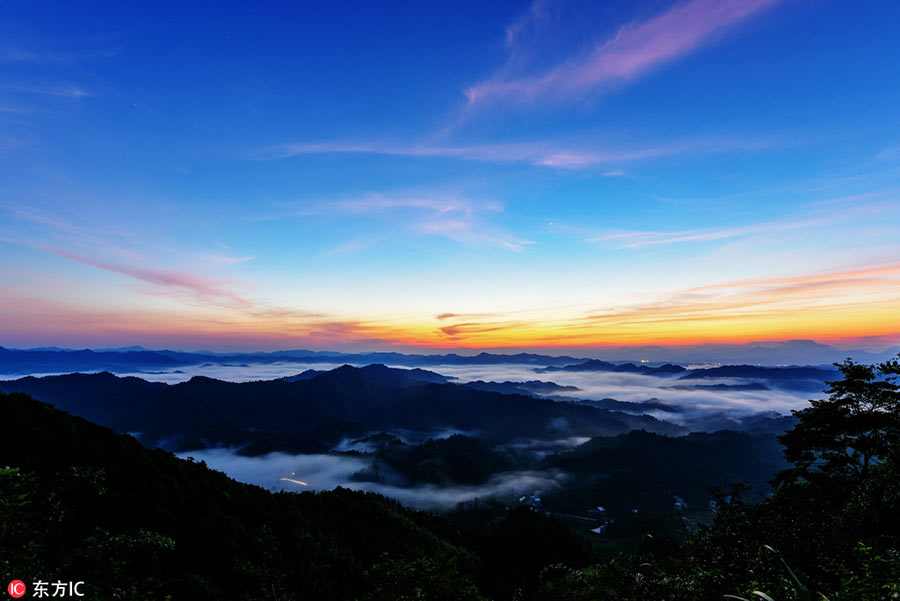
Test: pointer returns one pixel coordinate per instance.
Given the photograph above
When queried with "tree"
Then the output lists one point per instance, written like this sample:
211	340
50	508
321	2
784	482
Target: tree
421	579
856	427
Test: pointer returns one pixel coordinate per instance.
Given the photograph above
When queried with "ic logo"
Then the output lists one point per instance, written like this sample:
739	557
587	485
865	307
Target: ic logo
16	589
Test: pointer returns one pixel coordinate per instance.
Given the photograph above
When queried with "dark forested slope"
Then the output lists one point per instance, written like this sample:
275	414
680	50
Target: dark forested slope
313	415
80	502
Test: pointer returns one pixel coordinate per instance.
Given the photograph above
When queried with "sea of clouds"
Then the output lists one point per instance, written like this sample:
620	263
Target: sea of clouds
591	385
327	471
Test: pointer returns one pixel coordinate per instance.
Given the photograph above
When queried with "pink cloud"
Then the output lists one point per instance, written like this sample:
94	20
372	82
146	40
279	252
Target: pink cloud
633	51
851	277
203	288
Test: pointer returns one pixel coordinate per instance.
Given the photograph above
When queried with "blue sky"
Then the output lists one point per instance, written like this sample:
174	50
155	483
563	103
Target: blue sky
554	173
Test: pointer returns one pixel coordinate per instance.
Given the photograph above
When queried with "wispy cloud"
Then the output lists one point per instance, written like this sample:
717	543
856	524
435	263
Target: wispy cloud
837	303
440	204
891	153
470	232
51	57
880	273
352	246
10	143
635	50
110	239
467	330
65	91
32	318
120	250
237	317
201	287
79	234
226	256
436	202
527	23
786	298
451	215
644	239
464	316
821	213
555	154
228	259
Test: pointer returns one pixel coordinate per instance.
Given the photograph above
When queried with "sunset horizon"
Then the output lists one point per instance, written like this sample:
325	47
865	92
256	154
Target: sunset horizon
550	185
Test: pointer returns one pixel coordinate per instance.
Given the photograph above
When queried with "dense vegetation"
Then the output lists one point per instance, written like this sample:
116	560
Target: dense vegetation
638	469
457	459
645	470
830	530
80	502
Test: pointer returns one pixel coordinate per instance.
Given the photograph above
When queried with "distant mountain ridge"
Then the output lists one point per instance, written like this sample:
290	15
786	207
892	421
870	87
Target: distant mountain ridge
809	379
531	387
316	413
136	358
668	369
788	352
793	378
404	376
53	360
755	371
57	360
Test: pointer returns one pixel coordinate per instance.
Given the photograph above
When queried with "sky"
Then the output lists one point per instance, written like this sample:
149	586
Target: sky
434	175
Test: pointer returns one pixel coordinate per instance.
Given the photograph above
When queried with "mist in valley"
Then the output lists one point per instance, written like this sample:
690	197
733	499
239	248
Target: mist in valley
321	472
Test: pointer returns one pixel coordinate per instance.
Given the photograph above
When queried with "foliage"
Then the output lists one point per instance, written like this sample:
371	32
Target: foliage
83	503
802	542
424	578
456	459
856	427
80	502
646	470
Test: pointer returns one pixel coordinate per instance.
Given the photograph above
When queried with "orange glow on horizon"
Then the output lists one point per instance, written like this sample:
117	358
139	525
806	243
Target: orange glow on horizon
848	305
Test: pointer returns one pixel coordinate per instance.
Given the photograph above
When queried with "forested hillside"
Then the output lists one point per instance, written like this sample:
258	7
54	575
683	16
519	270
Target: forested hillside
80	502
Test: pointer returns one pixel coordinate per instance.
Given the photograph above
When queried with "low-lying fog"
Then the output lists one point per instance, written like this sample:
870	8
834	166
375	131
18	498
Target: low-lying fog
243	372
634	387
279	471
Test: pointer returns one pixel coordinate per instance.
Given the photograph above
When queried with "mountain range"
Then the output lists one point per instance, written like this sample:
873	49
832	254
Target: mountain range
315	413
135	358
